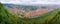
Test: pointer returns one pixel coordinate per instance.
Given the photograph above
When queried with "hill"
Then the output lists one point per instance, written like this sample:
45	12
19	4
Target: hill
6	17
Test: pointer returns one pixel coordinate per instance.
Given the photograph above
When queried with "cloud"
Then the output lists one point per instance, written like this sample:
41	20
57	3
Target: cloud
31	1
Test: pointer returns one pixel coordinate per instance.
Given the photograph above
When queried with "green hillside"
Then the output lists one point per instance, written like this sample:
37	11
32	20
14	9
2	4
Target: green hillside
6	17
52	17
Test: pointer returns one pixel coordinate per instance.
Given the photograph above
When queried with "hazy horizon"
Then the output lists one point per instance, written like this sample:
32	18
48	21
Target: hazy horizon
30	2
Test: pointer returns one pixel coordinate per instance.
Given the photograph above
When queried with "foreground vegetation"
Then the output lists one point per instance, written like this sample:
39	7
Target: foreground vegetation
52	17
6	17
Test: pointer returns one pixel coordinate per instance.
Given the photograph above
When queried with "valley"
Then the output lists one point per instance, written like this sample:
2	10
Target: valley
46	15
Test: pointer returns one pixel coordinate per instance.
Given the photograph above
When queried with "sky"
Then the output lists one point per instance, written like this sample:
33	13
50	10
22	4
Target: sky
31	1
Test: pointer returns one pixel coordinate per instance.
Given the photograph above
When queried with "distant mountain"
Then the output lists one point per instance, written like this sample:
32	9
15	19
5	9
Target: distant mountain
22	6
31	7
